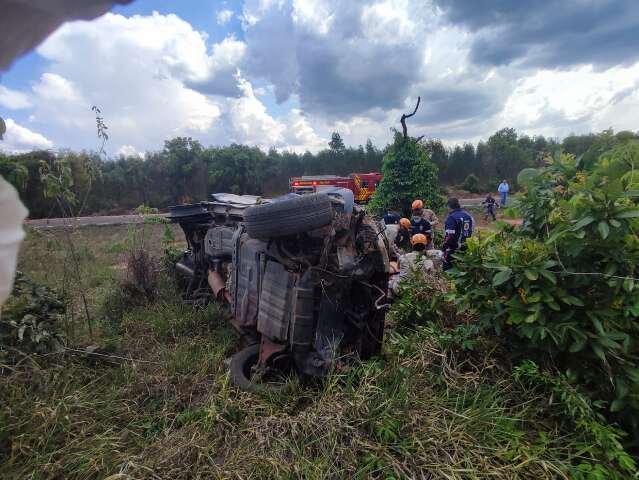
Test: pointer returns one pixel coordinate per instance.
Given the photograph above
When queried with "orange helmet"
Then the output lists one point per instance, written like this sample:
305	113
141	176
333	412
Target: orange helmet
419	238
404	222
417	204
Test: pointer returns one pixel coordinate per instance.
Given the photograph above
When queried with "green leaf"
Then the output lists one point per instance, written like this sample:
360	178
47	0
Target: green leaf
611	269
502	277
628	284
527	175
598	325
609	343
578	345
549	276
615	223
599	352
582	223
531	274
630	193
575	301
628	214
554	305
603	228
617	405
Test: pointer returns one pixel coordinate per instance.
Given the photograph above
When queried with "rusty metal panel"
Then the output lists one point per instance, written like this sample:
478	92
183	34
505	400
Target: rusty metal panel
275	302
248	276
303	324
219	242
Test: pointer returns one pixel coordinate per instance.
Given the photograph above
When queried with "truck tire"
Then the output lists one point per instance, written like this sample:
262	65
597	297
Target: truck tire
288	217
240	371
240	367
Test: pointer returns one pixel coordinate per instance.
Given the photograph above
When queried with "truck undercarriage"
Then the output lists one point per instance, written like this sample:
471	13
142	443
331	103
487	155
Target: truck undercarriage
305	278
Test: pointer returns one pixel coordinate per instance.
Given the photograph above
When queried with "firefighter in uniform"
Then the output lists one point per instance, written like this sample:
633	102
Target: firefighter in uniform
427	213
391	217
420	224
458	228
402	240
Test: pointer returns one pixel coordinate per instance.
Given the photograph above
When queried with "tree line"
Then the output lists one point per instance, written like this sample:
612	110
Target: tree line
184	170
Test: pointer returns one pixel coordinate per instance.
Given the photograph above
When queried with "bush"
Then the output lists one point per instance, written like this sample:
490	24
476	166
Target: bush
471	184
145	210
31	319
408	174
590	447
139	287
562	289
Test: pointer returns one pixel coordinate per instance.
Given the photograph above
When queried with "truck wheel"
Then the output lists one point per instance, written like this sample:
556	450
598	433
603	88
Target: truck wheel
288	217
240	371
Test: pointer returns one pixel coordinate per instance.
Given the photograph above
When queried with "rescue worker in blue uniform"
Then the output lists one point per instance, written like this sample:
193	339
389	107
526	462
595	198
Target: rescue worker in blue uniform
391	217
419	224
457	228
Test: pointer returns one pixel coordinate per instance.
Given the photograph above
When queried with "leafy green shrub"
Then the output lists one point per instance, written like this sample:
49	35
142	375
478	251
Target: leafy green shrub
31	319
471	184
563	288
155	220
423	297
595	439
145	210
408	174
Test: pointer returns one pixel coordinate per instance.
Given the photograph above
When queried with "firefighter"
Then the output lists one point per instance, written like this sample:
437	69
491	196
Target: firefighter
402	240
418	258
419	224
458	228
427	213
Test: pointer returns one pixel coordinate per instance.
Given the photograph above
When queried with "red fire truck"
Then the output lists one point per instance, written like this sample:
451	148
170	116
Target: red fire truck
363	185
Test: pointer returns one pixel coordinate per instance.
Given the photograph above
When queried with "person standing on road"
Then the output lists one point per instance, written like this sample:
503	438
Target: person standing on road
503	190
458	228
489	204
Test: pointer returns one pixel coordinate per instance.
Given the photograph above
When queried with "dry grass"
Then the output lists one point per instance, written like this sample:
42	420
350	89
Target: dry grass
165	409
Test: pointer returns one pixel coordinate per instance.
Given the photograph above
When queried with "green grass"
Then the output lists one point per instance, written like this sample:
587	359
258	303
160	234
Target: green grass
164	408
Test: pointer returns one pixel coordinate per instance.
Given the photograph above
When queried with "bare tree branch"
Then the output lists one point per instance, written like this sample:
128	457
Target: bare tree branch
404	117
419	138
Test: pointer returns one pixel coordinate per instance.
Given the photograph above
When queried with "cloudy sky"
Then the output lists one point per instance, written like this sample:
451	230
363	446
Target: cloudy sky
286	73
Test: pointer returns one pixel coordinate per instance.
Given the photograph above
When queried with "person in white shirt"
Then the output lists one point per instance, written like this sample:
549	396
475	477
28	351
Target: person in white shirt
503	190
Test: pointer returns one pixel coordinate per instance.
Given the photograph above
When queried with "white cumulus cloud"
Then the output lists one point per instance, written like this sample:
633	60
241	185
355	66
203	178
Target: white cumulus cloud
129	151
153	78
13	99
19	139
224	16
300	70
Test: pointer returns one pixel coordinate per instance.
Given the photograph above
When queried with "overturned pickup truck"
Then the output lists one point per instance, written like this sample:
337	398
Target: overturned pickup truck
305	278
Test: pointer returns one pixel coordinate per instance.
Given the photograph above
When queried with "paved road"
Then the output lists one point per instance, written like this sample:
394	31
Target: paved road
129	219
94	220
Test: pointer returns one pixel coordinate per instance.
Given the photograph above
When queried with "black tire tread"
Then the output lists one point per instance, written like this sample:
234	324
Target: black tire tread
288	217
238	367
241	362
